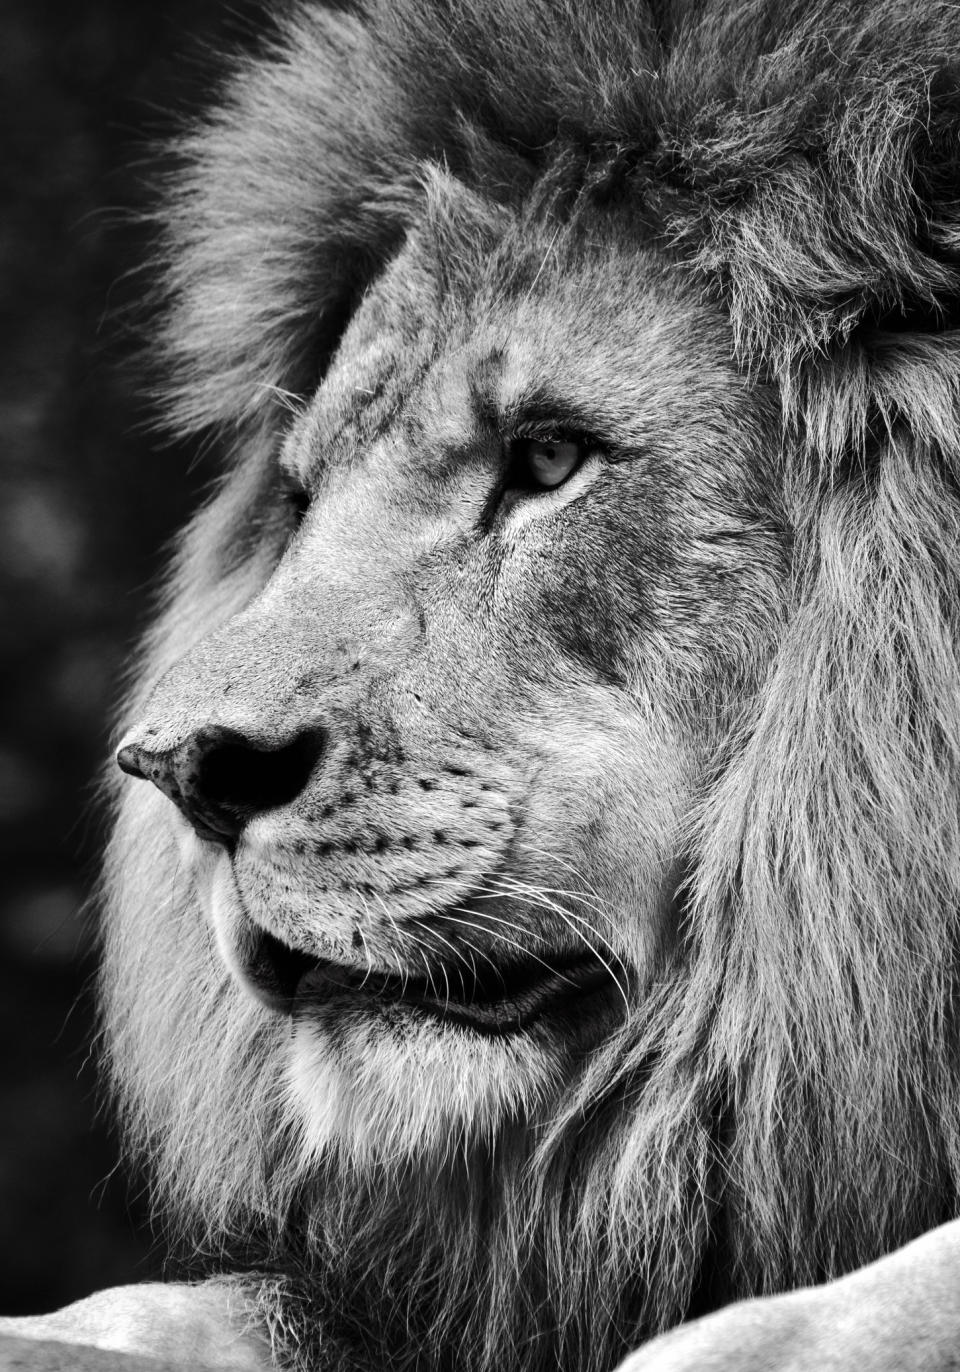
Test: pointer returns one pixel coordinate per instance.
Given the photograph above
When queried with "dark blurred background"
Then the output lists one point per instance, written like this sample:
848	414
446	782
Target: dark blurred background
88	498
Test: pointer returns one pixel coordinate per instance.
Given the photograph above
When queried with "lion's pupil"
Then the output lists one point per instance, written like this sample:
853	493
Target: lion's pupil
551	462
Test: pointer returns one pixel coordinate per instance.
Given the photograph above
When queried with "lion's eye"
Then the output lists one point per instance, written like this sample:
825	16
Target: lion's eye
542	463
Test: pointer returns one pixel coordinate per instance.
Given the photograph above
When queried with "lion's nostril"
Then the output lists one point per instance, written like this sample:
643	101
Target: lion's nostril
221	779
244	779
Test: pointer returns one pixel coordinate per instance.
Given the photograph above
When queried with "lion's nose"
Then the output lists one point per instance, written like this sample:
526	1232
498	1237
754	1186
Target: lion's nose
221	778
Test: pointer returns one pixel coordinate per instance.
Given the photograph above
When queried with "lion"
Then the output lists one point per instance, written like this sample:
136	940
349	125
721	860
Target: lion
531	922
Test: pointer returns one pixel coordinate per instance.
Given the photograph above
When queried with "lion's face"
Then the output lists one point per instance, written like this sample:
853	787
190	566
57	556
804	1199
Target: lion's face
555	923
438	769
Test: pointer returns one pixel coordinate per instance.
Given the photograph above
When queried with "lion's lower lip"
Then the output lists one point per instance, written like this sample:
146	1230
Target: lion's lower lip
498	1000
504	1000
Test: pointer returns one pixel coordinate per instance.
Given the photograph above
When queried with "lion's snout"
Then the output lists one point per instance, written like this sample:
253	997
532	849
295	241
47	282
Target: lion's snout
271	704
221	778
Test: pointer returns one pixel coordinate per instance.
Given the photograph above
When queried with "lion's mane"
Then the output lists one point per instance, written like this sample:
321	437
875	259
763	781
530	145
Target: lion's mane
786	1105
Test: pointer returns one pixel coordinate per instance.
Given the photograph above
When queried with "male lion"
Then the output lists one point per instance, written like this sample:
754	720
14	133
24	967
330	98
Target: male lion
542	927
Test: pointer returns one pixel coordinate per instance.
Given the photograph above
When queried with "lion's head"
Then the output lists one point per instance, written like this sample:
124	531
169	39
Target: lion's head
555	921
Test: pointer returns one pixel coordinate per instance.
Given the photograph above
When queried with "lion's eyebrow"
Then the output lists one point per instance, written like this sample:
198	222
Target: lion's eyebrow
543	408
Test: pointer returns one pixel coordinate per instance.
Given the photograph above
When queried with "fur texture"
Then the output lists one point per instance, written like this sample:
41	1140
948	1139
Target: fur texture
781	1103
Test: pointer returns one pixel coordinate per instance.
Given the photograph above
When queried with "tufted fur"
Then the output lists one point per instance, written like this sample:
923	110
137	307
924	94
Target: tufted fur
784	1105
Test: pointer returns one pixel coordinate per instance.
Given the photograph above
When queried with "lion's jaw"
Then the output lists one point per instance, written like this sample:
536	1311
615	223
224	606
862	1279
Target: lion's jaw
512	694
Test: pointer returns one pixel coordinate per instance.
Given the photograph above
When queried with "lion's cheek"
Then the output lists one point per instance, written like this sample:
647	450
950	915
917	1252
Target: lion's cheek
606	817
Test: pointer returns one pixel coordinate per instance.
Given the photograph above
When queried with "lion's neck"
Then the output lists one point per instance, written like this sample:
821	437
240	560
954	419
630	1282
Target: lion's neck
482	1261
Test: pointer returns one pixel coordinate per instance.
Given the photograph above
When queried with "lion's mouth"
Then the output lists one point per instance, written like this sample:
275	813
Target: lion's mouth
492	999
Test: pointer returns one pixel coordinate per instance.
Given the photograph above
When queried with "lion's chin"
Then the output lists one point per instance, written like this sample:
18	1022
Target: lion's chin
395	1086
387	1077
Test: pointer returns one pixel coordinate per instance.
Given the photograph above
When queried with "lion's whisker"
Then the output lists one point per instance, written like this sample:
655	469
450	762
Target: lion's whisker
512	925
521	948
366	950
468	924
402	968
546	893
542	896
458	955
590	892
519	891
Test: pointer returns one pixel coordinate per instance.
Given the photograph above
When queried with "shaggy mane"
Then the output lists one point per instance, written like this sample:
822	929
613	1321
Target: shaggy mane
785	1107
802	158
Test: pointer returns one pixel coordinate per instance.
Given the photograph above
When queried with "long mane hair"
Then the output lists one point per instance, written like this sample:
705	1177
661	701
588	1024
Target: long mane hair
786	1105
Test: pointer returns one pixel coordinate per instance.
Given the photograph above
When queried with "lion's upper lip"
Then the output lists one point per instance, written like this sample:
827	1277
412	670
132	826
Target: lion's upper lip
493	999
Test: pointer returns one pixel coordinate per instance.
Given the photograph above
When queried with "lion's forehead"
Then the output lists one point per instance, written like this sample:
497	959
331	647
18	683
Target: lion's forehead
400	450
616	338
